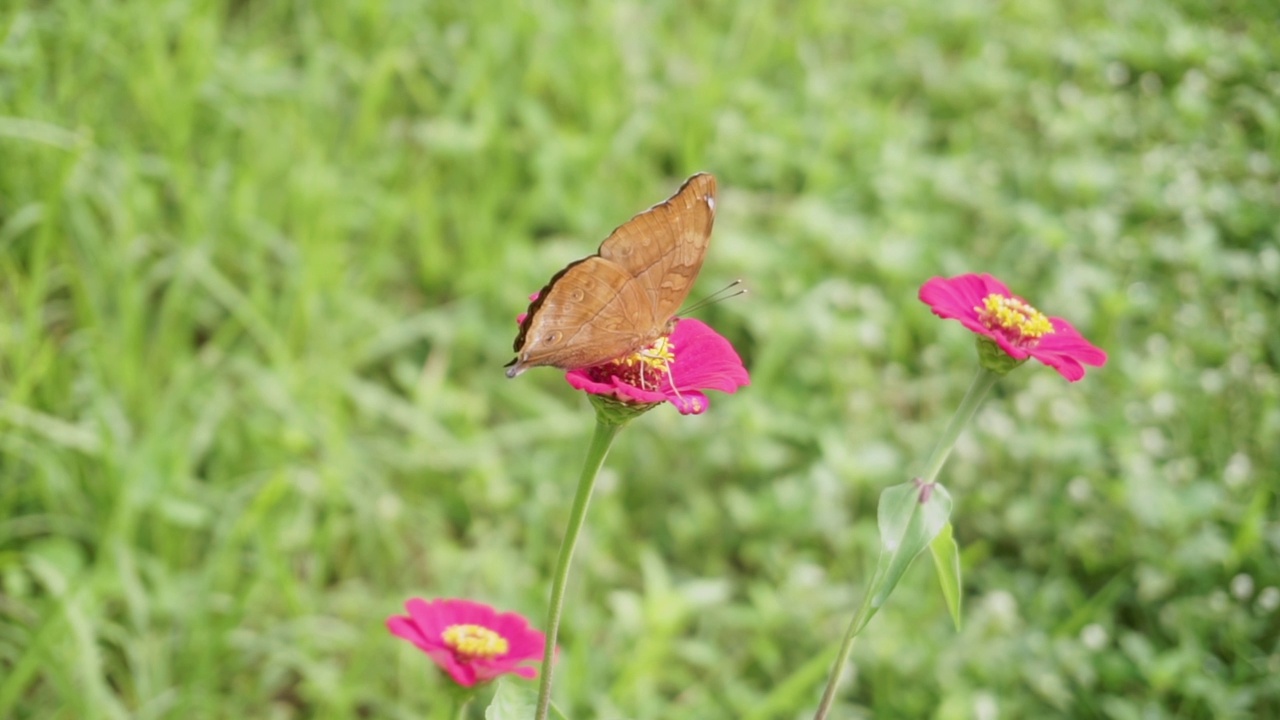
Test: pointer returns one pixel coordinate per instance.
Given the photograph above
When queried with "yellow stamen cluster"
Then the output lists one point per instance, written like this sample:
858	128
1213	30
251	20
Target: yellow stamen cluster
654	358
474	641
657	356
1019	319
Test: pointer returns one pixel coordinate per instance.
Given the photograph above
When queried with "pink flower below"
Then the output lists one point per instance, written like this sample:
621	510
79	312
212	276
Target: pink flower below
694	358
470	641
984	305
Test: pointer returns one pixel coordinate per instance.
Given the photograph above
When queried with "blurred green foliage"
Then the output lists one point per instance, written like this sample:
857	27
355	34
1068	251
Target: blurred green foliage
259	263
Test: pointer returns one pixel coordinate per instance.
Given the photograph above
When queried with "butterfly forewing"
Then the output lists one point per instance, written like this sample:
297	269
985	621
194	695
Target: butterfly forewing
613	303
663	247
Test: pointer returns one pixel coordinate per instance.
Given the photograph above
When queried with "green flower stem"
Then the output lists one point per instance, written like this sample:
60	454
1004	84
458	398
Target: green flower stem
978	389
846	647
462	697
606	430
977	392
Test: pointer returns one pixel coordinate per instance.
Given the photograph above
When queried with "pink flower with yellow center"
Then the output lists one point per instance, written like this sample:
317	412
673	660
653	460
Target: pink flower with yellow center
984	305
676	368
470	641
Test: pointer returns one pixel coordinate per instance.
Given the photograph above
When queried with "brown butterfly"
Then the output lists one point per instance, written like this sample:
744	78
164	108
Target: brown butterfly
624	297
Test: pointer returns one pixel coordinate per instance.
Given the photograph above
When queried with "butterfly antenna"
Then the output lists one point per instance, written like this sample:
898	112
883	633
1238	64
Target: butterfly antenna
720	295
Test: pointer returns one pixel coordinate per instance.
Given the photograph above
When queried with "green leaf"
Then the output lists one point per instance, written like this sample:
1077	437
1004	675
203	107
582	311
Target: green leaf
946	559
516	701
512	701
906	526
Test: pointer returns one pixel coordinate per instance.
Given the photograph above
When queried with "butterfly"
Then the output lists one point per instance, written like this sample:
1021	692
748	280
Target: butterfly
623	298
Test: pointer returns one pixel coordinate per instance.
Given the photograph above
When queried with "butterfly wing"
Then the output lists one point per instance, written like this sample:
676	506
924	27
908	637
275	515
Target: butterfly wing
610	304
591	312
664	246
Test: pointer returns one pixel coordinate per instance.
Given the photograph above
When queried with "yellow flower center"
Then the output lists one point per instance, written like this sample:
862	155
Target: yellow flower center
658	356
474	641
1023	324
643	368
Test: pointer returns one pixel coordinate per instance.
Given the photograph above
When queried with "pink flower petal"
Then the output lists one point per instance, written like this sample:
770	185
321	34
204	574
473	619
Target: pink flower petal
1066	351
614	388
405	628
705	360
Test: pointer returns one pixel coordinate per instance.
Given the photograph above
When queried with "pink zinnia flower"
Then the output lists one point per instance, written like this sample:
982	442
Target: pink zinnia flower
675	369
694	356
984	305
471	641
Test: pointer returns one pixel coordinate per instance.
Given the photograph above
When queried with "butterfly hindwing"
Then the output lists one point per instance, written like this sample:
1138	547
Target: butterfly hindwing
586	317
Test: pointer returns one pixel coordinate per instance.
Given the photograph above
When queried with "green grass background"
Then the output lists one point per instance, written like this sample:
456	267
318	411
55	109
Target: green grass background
259	264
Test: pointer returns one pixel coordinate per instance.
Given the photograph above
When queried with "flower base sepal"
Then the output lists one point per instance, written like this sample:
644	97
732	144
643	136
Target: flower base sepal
461	696
612	411
991	357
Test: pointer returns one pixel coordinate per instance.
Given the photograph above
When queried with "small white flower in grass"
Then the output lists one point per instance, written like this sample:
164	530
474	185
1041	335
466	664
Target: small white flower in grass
1242	586
1164	404
1269	599
985	706
1002	605
1238	470
1079	490
1094	637
1212	382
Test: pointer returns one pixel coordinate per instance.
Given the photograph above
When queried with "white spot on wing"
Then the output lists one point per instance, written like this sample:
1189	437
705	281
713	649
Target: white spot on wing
711	202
